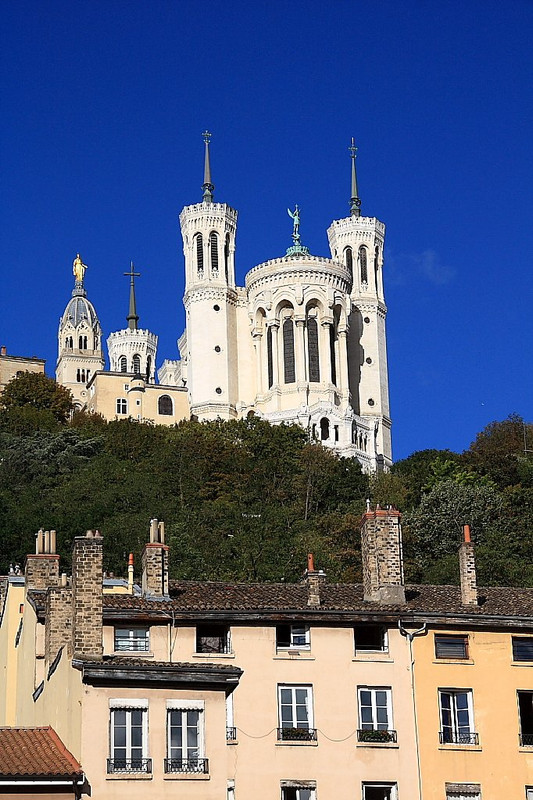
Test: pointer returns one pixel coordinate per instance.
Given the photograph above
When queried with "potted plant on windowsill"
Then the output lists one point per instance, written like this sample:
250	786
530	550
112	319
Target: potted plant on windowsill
376	736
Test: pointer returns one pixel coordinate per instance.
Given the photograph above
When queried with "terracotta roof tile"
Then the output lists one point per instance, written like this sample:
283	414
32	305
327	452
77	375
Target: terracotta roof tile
35	752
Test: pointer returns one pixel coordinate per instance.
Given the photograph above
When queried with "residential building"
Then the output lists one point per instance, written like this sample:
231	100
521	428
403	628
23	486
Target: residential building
12	366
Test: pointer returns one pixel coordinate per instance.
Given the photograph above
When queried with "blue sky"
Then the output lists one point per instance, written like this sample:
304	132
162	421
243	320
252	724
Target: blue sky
103	107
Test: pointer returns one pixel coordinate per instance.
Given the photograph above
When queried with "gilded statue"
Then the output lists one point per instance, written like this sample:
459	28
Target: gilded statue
78	268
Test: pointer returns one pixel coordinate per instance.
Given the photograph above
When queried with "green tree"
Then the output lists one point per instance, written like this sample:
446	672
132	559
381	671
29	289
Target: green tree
39	392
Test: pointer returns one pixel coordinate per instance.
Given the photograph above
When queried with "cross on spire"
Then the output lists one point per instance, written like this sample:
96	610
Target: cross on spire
133	317
355	200
207	186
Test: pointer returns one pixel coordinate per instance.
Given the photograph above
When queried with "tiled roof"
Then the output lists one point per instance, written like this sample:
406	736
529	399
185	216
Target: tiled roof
271	598
169	666
35	752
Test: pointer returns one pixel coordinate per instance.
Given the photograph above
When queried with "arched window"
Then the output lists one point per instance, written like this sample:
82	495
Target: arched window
332	352
288	351
78	376
83	376
164	405
312	348
200	253
213	246
80	342
348	256
363	265
269	358
96	340
85	343
376	266
136	364
123	364
88	373
148	367
324	429
226	258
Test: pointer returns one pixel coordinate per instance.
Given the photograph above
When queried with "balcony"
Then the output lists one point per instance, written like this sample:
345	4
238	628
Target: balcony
297	735
187	765
376	737
129	765
454	737
135	644
231	734
526	740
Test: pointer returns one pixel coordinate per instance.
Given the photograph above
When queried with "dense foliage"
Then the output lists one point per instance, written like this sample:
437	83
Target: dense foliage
246	501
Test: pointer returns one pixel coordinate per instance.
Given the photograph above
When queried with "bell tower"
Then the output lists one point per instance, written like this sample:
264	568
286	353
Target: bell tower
80	352
357	241
208	230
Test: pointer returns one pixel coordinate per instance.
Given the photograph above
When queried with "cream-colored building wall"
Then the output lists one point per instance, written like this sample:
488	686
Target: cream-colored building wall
61	705
498	763
9	654
11	366
337	762
142	399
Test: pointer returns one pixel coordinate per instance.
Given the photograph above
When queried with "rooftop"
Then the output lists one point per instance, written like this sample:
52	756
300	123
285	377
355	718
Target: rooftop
35	752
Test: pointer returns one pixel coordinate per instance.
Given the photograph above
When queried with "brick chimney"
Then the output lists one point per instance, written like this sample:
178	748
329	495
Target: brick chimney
467	570
155	562
382	556
42	569
314	578
87	596
58	615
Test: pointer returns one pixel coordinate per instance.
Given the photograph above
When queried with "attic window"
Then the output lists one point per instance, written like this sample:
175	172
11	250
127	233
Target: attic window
370	638
132	640
213	639
455	647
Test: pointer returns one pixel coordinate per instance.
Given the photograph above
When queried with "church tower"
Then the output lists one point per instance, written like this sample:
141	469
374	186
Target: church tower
80	352
133	350
357	241
210	350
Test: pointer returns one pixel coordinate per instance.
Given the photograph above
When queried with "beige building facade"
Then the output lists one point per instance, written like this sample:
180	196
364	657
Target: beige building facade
12	366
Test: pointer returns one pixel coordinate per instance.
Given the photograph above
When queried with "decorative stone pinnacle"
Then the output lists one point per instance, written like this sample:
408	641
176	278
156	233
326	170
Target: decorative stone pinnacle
355	200
133	317
207	186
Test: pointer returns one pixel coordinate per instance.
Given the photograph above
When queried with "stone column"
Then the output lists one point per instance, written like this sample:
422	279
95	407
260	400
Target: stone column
275	354
325	352
258	347
342	365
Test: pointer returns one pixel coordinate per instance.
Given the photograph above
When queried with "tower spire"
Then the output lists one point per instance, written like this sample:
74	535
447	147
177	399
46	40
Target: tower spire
133	317
355	200
207	186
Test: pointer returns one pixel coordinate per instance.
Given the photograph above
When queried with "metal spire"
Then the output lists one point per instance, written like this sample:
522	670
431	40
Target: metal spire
207	186
133	317
355	200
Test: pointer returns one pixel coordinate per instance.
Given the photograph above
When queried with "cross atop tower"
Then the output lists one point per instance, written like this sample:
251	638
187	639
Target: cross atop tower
133	317
355	200
207	186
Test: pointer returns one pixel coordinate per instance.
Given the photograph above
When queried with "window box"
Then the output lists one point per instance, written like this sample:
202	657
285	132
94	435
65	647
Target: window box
188	765
376	736
297	735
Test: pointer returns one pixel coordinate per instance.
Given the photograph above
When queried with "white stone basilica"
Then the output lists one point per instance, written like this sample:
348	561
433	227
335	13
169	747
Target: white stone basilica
303	341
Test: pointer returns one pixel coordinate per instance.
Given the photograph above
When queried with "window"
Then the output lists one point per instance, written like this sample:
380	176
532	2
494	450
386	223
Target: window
522	648
301	790
295	713
199	254
129	738
457	717
451	646
370	638
226	258
270	367
213	243
132	639
375	715
288	351
185	740
293	636
148	367
231	730
379	791
348	257
136	364
164	405
123	364
312	350
525	711
529	792
363	264
463	791
332	340
213	639
122	406
324	429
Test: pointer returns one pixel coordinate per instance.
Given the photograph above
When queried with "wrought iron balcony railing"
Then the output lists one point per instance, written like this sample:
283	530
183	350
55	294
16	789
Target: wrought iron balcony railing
364	735
199	765
454	737
526	740
129	765
136	644
231	734
297	735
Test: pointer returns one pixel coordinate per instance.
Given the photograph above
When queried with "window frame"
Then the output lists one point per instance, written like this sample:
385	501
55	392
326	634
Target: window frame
455	726
224	637
165	398
294	705
131	630
294	790
517	640
292	644
374	723
384	635
393	786
197	763
123	405
446	639
128	708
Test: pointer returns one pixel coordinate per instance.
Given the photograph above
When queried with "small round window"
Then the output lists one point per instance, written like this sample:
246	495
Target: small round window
367	320
371	402
217	348
218	390
216	307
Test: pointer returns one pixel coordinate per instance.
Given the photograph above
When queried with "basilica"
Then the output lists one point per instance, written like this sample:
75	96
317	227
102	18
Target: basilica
303	341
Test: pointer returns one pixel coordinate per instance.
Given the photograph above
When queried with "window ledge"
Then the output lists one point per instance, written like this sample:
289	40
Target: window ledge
474	748
133	653
297	744
466	661
374	659
525	749
231	742
386	745
186	776
214	655
296	655
522	663
130	776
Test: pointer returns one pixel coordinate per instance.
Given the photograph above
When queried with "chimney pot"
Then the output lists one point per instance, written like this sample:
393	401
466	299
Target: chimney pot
3	350
310	562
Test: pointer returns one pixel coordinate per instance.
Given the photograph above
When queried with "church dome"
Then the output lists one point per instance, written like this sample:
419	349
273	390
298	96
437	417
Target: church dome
79	310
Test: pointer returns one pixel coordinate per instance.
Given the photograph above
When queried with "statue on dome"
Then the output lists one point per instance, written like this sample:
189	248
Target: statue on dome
78	268
295	216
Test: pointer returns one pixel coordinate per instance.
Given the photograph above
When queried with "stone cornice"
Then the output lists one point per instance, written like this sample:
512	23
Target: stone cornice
308	268
222	293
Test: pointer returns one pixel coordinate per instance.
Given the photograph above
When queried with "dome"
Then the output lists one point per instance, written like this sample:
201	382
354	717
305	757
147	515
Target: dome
79	310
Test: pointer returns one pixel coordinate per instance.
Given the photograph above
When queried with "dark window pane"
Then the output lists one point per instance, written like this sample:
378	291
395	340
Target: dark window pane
312	344
288	351
523	648
451	646
369	637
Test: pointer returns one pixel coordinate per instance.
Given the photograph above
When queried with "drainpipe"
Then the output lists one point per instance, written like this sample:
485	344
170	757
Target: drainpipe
410	636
